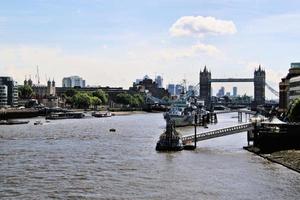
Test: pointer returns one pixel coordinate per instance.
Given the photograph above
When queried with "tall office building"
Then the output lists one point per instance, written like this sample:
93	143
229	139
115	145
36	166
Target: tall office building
8	92
221	92
179	89
171	89
234	91
73	81
159	81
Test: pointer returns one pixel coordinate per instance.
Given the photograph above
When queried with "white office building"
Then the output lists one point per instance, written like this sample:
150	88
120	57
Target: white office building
73	81
294	88
3	95
8	92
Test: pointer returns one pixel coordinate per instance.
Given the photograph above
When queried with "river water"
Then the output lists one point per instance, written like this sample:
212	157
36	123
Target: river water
81	159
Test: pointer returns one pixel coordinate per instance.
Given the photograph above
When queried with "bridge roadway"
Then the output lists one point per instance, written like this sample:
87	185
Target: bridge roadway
230	80
218	132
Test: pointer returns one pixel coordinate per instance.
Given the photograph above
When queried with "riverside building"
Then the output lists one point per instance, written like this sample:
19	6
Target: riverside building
284	86
294	88
8	92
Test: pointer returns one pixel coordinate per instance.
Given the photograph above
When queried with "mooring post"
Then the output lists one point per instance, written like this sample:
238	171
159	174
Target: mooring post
216	119
195	138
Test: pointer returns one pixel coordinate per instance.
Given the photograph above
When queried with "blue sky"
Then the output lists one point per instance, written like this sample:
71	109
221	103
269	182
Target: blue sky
114	42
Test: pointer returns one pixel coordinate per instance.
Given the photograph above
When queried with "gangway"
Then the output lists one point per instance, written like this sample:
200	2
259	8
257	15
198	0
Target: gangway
218	132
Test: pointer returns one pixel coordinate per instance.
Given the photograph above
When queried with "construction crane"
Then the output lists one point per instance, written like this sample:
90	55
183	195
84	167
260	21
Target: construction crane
38	74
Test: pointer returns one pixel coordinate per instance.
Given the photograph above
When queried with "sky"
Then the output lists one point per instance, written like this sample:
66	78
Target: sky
112	43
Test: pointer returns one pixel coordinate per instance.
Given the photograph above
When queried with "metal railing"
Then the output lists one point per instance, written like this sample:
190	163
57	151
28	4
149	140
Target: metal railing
218	132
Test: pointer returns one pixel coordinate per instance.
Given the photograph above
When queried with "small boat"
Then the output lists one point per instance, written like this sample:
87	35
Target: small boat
102	114
112	130
12	122
38	122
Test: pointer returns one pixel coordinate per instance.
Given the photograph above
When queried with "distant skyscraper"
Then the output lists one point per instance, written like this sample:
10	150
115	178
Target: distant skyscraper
221	92
228	94
179	89
73	81
159	81
171	89
234	91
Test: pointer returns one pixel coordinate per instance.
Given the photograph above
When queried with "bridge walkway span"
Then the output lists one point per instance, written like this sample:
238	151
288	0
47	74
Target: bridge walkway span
218	132
238	111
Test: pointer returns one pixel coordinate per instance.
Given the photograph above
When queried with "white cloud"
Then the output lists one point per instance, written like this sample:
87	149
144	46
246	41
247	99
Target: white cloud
200	26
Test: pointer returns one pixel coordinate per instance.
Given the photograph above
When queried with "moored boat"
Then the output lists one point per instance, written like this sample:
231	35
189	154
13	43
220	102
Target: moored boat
183	113
102	114
12	122
65	115
170	140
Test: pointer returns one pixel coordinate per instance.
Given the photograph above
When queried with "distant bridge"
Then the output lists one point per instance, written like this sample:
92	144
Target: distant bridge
231	80
217	133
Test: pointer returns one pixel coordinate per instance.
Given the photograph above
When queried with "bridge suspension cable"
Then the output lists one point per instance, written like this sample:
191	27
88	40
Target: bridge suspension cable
276	93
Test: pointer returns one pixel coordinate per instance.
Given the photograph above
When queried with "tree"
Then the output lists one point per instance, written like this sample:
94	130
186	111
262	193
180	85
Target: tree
25	92
123	98
293	112
95	101
82	100
103	96
140	99
71	92
128	99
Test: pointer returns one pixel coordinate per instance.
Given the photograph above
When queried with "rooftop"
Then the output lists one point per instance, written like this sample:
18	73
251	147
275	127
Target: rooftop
295	65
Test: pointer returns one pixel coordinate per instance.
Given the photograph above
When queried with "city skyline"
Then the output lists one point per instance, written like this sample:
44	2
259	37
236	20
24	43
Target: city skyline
112	43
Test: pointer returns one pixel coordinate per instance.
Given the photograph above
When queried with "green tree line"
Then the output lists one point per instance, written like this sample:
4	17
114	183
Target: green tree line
85	99
135	100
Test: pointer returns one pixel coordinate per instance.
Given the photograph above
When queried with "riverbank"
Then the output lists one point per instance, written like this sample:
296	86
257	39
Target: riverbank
122	113
287	158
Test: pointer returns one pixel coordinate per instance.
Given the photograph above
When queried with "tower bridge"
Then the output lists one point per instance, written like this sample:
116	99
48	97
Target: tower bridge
259	81
231	80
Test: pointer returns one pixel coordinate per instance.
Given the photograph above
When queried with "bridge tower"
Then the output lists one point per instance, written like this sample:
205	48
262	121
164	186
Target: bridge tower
259	86
205	86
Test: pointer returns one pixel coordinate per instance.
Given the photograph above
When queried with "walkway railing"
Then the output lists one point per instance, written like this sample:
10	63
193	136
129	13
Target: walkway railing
218	132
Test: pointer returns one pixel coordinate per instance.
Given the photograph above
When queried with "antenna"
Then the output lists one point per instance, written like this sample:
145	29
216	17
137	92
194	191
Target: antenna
38	74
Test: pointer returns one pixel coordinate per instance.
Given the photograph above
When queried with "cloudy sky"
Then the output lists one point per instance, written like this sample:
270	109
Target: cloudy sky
117	41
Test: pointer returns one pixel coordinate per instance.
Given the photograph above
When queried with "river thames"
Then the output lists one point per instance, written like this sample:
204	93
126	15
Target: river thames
81	159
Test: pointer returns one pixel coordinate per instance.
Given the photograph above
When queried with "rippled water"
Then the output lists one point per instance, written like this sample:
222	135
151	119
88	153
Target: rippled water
81	159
